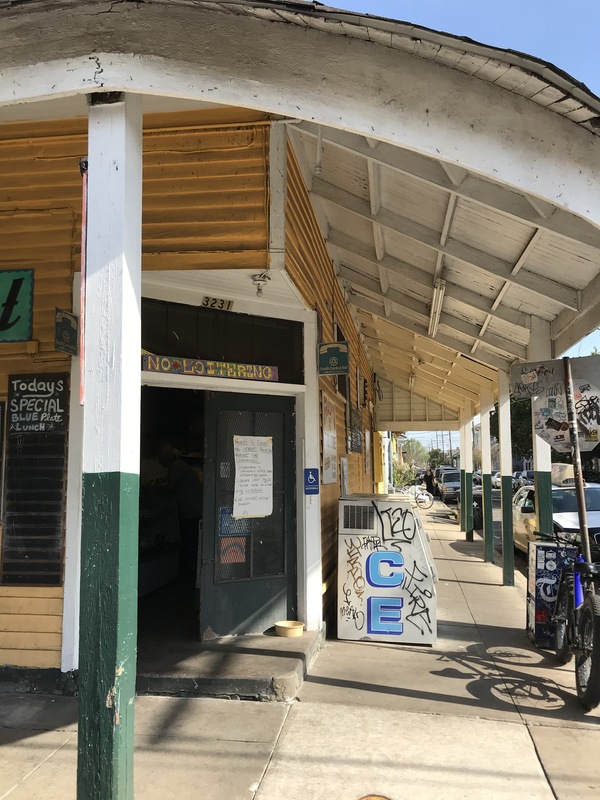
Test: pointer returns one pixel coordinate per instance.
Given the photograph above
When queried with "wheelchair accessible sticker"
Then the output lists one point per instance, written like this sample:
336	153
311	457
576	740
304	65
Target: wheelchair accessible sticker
311	481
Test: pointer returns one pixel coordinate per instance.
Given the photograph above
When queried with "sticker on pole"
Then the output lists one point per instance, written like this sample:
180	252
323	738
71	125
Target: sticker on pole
544	383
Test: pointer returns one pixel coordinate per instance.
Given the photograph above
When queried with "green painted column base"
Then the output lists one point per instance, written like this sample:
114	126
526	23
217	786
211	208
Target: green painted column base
508	547
543	501
108	635
488	519
468	496
462	521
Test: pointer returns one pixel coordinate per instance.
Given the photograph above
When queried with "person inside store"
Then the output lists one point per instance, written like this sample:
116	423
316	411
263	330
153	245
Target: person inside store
184	483
428	478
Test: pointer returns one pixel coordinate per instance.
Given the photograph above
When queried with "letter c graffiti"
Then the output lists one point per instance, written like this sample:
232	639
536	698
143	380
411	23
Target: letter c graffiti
373	569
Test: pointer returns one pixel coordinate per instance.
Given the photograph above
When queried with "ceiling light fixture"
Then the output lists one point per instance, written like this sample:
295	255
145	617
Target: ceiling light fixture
439	290
260	281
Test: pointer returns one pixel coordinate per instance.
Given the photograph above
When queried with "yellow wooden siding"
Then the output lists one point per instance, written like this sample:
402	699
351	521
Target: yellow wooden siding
311	269
204	207
30	626
205	190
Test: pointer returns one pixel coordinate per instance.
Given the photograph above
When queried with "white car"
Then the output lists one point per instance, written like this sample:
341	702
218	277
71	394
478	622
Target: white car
497	480
564	514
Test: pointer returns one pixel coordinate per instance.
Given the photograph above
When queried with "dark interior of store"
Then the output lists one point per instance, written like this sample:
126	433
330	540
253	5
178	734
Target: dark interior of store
172	453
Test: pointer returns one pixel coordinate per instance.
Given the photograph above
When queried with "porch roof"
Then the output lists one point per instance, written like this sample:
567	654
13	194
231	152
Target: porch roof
448	266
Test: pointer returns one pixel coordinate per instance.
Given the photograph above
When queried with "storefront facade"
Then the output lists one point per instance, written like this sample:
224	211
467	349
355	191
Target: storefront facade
208	228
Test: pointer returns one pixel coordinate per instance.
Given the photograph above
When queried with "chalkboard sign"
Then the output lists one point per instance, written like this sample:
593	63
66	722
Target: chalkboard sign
35	480
37	404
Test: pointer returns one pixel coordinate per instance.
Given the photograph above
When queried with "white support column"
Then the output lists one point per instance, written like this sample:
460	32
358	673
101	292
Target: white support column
277	194
486	407
308	454
540	349
111	450
508	556
70	625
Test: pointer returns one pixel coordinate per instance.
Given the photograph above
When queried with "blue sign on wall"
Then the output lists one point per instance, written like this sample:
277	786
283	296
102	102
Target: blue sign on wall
311	481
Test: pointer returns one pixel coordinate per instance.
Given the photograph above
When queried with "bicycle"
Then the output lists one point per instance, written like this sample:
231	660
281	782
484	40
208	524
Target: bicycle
577	621
422	497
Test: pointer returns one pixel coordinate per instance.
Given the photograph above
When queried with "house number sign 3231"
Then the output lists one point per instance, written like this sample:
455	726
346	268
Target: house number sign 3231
218	303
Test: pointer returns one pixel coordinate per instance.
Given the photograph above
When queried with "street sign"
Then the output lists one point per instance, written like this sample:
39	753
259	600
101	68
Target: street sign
544	383
311	481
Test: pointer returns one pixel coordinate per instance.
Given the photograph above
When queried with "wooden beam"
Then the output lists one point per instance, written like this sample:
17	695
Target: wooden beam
522	207
356	255
485	262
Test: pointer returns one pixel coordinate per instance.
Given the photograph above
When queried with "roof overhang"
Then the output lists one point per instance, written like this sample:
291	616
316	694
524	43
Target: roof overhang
457	185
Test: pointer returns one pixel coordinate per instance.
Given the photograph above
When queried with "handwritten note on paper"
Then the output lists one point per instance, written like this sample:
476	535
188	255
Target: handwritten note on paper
253	488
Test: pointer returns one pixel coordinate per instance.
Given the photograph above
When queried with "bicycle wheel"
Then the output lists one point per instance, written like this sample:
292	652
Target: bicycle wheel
587	658
424	500
563	631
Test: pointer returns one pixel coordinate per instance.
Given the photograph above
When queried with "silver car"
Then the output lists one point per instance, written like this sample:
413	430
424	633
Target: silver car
564	513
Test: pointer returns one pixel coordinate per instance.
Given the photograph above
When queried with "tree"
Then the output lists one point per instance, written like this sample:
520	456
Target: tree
520	427
436	457
415	452
404	474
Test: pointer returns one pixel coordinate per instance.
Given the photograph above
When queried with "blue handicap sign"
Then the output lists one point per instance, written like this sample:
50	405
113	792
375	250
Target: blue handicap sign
311	481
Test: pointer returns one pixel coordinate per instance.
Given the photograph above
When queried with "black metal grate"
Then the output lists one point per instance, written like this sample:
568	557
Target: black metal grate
360	518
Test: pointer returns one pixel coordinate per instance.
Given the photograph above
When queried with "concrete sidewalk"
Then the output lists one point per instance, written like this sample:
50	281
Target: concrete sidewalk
482	714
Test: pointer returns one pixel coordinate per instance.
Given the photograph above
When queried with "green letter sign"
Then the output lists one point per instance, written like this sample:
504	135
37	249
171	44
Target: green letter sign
16	305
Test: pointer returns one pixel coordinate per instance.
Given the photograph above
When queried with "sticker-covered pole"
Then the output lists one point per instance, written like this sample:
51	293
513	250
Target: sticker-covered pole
576	456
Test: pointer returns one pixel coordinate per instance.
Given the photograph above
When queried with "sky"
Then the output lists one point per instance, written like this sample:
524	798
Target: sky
563	33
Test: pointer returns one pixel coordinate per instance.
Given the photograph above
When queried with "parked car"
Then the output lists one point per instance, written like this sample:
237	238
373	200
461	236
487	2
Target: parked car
564	514
526	478
437	475
477	479
497	480
449	486
515	480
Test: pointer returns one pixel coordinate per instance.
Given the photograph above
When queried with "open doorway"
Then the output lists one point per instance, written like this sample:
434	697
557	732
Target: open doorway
171	496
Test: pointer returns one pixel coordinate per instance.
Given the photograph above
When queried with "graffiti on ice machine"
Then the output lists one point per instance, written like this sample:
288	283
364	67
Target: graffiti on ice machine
386	575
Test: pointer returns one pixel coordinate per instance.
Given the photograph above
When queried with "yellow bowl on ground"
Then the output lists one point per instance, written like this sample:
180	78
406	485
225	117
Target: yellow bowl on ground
289	628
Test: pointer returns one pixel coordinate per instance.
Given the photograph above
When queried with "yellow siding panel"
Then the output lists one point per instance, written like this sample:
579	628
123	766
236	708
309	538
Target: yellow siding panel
29	640
39	659
29	591
31	605
30	623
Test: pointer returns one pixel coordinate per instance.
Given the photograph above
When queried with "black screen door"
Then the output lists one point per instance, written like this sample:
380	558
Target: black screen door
248	565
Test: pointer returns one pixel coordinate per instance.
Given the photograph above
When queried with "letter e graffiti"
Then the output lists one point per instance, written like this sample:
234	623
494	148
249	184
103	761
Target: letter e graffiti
384	615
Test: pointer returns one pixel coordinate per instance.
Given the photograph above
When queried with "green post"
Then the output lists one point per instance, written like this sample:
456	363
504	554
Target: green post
543	494
468	496
108	625
508	552
488	519
463	518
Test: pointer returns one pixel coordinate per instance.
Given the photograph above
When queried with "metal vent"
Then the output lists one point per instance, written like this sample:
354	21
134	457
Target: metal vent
360	518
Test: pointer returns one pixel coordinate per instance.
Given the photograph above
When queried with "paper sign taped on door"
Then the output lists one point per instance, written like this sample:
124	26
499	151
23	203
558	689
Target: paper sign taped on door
253	487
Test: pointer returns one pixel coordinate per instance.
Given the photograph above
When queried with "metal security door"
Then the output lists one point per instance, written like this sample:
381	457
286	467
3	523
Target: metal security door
248	565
